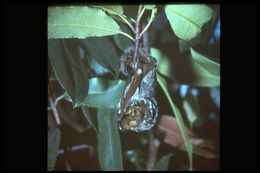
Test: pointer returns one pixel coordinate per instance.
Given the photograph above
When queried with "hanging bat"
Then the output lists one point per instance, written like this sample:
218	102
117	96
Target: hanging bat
137	109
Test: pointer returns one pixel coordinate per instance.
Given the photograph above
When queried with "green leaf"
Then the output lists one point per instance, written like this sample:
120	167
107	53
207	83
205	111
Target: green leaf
163	163
103	51
207	71
206	63
109	146
150	7
53	147
117	12
187	70
112	9
163	64
69	68
186	45
121	41
92	119
104	93
187	20
204	78
162	82
79	22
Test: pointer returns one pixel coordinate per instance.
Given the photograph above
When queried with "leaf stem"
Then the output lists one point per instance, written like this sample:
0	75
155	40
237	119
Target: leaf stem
132	20
58	99
141	10
127	35
141	13
149	23
127	22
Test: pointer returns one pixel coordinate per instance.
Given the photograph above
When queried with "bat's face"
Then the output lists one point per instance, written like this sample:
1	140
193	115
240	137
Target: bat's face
140	115
132	117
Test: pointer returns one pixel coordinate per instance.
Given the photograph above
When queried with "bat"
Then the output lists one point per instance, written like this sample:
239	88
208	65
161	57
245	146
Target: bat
137	110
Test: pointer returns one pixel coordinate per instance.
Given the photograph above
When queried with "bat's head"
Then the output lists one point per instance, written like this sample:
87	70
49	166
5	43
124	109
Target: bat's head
140	115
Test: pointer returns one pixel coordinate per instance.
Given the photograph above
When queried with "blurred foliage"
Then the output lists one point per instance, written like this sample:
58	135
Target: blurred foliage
85	84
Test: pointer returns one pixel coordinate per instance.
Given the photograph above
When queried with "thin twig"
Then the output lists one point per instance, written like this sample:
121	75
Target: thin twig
136	45
149	23
58	99
127	35
137	32
54	110
132	20
139	9
75	148
141	13
126	21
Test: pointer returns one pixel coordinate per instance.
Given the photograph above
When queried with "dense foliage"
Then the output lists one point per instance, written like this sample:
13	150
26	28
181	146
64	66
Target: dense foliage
85	85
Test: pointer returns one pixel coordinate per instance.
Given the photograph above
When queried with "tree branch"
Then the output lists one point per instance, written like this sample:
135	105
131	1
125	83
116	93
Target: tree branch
137	32
149	23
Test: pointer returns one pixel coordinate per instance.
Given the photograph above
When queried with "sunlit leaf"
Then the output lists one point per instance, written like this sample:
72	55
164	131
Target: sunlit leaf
69	68
206	63
53	147
163	163
79	22
163	64
162	82
109	146
150	7
208	71
187	20
203	77
104	93
187	70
